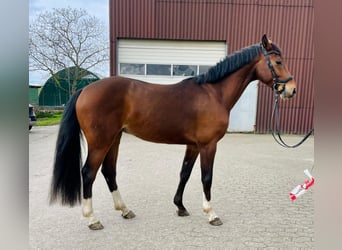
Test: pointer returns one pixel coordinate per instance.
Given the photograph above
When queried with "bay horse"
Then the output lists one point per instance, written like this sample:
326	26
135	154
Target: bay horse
193	112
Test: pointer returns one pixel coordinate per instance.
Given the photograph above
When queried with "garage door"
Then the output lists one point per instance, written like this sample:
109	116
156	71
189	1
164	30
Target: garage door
166	62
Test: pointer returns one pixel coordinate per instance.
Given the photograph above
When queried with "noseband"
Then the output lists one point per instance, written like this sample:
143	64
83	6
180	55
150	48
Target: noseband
276	80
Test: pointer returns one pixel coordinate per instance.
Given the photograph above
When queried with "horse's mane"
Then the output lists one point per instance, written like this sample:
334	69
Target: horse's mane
229	65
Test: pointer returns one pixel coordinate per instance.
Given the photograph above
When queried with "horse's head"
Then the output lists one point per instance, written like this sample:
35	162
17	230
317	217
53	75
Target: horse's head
272	70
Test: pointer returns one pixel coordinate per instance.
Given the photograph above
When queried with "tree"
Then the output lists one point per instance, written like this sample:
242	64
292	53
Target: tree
65	38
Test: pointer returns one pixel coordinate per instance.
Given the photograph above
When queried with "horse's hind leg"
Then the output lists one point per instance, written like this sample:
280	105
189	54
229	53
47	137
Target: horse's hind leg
188	163
207	154
89	171
109	172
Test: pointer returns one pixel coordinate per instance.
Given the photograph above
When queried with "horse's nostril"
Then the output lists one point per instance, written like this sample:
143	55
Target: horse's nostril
294	91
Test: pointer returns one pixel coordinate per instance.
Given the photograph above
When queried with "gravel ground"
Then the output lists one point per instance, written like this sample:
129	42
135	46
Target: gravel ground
252	179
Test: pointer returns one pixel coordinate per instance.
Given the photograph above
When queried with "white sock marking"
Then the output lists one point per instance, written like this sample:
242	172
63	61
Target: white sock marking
119	203
88	212
208	209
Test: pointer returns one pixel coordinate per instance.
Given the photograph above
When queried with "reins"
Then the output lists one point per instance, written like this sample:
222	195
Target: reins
275	127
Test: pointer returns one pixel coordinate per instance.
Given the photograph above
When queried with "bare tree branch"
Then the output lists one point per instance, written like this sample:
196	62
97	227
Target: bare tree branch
65	38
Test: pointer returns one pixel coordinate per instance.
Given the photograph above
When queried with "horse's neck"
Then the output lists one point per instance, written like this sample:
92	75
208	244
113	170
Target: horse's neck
233	86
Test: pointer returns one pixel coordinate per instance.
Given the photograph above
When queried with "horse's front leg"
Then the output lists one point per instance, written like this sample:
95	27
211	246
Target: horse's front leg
188	163
207	154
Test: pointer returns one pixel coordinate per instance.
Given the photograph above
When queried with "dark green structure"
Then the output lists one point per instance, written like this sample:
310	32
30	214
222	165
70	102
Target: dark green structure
34	94
58	94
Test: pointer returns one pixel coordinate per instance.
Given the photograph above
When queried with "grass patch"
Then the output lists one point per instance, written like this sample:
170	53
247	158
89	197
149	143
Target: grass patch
48	118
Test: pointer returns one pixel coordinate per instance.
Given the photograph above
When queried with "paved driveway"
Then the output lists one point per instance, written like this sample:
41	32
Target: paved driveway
252	179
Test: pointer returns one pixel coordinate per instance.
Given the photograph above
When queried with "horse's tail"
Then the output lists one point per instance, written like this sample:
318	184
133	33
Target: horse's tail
66	179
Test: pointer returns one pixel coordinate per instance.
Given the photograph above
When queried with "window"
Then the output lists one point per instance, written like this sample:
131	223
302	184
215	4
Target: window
162	69
132	69
158	69
184	70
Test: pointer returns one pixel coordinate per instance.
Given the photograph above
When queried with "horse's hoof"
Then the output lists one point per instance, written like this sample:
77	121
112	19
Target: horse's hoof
216	222
128	215
183	213
96	226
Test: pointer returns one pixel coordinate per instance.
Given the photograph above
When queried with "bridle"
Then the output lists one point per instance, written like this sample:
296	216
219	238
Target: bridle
276	81
275	114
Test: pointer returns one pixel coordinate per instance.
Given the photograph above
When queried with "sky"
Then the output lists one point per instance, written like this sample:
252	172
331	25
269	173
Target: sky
98	8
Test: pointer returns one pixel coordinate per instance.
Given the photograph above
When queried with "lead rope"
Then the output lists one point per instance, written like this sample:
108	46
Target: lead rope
299	189
276	132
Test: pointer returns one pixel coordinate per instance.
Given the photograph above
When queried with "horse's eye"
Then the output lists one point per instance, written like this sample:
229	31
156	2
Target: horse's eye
278	62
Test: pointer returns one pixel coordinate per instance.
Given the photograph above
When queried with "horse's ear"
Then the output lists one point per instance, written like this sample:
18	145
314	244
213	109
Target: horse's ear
266	43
